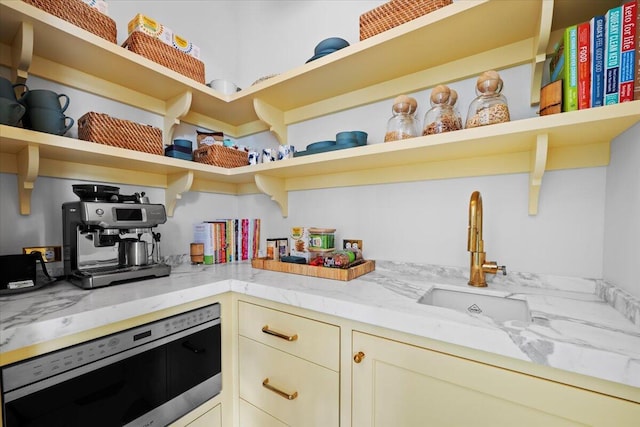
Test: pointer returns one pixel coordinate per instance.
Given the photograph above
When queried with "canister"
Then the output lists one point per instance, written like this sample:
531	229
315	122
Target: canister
321	238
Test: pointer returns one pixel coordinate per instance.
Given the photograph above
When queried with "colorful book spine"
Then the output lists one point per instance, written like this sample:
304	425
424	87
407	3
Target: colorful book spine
584	66
597	60
628	51
612	56
570	78
245	239
636	89
202	234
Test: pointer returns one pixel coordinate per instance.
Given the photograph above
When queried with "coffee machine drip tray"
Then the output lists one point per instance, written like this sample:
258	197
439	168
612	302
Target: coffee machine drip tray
97	277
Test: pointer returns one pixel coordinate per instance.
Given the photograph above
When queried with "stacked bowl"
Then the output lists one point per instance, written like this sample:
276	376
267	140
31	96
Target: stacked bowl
327	46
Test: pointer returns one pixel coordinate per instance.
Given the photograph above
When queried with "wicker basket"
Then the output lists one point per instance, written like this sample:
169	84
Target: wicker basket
163	54
81	15
217	155
104	129
394	13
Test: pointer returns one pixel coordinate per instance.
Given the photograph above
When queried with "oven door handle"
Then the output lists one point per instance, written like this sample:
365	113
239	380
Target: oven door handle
193	348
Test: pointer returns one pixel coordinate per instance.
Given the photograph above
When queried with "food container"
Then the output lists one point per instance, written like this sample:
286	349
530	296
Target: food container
403	124
321	239
443	116
490	107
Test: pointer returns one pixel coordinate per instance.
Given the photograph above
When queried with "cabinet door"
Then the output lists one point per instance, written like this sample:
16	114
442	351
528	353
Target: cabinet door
293	390
397	384
250	416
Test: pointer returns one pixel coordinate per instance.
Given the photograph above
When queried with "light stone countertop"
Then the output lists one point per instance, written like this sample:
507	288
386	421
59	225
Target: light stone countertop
579	325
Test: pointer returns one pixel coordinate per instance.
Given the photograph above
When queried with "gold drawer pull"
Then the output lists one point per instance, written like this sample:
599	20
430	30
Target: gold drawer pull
358	357
287	396
266	330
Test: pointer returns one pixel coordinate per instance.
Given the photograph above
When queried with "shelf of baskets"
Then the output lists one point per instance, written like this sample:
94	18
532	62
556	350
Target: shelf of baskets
562	141
404	59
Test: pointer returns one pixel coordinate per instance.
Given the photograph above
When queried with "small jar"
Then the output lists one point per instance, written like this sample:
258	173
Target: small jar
443	116
490	106
403	124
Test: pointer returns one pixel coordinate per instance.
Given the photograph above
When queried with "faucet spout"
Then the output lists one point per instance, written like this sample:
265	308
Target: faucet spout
475	245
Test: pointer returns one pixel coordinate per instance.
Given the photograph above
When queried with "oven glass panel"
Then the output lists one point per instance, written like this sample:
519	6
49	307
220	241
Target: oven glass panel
121	392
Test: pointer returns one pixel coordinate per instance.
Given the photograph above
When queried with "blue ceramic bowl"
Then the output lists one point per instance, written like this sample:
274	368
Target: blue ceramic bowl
183	143
320	144
334	43
361	137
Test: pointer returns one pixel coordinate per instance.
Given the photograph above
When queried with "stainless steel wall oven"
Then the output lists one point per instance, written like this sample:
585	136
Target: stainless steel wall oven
148	376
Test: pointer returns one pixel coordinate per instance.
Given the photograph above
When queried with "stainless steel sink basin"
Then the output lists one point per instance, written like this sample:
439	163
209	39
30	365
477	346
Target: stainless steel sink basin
498	306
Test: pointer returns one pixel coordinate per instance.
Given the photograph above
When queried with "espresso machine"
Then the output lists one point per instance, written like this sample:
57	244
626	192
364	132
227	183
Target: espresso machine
109	238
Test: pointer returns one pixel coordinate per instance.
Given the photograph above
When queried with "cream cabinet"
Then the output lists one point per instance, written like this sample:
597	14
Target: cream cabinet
398	384
365	72
288	369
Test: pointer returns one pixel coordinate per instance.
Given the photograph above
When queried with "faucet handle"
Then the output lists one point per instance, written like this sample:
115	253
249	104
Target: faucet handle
492	267
503	268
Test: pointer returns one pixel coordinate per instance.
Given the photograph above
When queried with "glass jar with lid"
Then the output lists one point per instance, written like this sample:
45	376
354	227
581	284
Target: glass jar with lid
443	116
403	124
490	106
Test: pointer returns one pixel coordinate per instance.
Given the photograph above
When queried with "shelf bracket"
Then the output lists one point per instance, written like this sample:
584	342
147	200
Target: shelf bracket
274	187
538	166
22	52
28	166
177	108
177	184
539	50
273	117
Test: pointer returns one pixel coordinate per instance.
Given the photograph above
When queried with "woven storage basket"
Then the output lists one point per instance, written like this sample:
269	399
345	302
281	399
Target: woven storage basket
394	13
81	15
163	54
104	129
217	155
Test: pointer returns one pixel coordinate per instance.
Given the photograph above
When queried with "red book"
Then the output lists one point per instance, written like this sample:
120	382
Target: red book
584	66
628	50
636	88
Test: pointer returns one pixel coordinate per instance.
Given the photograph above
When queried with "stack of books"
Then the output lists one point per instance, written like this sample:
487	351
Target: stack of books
598	61
228	240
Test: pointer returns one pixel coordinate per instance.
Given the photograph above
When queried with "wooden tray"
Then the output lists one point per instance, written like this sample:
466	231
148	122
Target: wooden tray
315	271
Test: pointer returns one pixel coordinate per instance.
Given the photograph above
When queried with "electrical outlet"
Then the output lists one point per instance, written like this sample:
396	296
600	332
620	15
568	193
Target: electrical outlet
49	253
351	244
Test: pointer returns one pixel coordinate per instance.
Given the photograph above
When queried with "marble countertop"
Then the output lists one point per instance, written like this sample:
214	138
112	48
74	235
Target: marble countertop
579	325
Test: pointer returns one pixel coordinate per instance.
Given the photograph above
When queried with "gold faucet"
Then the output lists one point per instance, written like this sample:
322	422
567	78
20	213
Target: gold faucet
475	245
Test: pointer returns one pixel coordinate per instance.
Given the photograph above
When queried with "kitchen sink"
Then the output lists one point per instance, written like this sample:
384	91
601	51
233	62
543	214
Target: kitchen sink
498	306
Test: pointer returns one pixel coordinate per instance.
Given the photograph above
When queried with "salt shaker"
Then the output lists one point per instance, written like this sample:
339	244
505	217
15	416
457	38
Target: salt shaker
442	116
490	106
403	124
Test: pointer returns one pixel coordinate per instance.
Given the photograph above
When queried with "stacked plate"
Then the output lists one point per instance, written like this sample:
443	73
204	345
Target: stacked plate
327	46
343	140
180	149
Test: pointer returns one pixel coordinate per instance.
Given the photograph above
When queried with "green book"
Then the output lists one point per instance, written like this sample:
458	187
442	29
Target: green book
570	78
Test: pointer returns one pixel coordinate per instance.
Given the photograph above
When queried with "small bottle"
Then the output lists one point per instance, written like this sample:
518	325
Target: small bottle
442	116
403	124
490	106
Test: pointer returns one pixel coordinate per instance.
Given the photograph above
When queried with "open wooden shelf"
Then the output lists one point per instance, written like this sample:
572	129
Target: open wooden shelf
422	53
562	141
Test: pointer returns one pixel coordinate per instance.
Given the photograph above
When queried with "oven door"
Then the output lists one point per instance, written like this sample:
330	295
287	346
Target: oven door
153	387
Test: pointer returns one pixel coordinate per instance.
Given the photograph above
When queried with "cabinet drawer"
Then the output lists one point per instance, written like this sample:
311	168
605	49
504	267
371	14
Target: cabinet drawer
313	390
250	416
211	418
312	340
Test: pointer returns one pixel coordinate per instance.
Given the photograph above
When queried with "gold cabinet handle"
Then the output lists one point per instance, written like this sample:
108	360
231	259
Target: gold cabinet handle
286	395
285	337
358	357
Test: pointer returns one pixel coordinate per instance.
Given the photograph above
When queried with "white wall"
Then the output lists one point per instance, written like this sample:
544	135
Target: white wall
622	214
421	221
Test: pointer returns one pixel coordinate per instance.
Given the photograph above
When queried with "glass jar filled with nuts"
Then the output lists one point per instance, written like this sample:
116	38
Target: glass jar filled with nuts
443	116
490	106
403	124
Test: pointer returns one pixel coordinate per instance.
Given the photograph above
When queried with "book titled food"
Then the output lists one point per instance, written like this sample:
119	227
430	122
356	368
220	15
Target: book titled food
612	56
584	66
628	51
